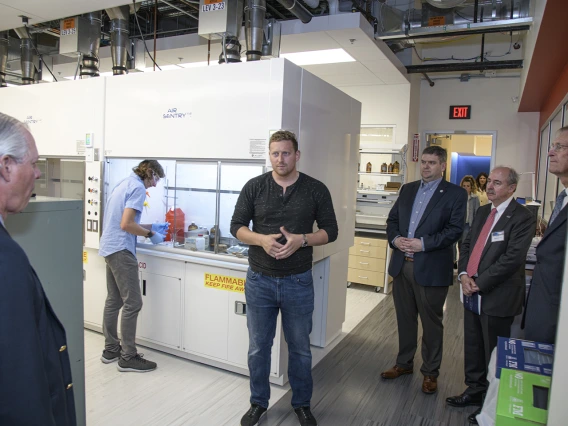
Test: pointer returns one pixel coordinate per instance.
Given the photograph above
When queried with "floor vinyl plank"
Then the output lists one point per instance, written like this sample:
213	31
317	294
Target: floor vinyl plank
185	393
348	389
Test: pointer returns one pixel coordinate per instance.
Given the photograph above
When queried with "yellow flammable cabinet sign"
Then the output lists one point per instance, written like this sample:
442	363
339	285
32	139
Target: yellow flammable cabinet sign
224	282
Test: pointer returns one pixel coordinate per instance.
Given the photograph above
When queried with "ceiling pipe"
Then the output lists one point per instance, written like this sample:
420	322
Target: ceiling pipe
90	63
180	9
312	4
26	56
119	38
255	11
297	9
4	44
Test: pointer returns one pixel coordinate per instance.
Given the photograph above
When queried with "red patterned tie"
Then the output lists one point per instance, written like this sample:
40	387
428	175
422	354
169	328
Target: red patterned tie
475	257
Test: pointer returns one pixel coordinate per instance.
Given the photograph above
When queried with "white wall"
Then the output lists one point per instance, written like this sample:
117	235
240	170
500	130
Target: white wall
492	109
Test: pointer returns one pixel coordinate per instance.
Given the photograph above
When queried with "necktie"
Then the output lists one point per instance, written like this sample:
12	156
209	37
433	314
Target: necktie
557	207
475	256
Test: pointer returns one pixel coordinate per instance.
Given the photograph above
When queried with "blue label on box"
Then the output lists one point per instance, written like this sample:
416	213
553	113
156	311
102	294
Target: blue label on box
524	355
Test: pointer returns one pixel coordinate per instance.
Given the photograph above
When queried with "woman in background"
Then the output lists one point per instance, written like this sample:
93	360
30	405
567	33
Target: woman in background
468	183
481	188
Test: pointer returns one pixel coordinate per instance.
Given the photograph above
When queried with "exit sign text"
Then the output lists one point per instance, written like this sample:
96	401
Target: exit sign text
460	112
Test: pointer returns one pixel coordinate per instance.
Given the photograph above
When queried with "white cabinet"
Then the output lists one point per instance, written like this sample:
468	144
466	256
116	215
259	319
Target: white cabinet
160	318
206	315
94	288
159	321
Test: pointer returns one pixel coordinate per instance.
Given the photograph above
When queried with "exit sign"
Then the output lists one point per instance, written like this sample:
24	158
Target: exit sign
460	112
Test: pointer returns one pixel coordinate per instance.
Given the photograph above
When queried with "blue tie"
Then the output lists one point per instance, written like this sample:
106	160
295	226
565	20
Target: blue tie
557	207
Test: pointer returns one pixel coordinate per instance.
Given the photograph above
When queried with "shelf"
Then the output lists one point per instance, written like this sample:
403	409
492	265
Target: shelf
370	191
366	151
380	174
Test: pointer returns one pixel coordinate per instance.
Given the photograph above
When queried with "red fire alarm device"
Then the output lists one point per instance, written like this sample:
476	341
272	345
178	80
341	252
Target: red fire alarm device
460	112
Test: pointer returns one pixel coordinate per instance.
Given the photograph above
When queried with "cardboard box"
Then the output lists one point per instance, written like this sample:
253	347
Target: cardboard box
524	355
523	398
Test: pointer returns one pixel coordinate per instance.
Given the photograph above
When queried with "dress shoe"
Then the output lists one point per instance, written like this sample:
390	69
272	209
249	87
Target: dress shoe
472	417
430	384
395	373
463	400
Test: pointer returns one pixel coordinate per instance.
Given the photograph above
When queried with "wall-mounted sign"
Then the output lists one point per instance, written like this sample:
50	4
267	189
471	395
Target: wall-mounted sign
415	147
460	112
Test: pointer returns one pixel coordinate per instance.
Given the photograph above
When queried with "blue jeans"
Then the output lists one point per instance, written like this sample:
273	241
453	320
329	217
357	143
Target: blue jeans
293	296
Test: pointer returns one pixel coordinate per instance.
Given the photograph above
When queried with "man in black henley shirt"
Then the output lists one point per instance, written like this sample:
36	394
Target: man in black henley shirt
283	206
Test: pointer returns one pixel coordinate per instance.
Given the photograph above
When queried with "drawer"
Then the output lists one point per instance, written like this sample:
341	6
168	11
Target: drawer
368	251
361	276
367	263
370	242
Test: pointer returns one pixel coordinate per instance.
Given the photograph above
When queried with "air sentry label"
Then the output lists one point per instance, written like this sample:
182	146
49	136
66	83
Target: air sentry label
32	120
174	113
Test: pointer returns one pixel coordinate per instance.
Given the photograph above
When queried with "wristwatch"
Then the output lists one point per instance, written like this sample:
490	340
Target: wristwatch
149	234
304	240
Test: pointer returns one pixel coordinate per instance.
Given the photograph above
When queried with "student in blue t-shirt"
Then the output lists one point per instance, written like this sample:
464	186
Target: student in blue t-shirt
121	226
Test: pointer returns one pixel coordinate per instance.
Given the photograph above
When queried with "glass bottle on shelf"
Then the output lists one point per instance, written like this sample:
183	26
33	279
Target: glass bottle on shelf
396	167
389	169
369	167
384	168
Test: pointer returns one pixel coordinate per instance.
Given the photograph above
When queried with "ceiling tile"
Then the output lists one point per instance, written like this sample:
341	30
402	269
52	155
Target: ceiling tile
353	80
336	69
379	66
307	42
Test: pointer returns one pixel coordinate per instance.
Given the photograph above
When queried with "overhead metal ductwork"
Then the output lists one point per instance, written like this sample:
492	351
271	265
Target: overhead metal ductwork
119	34
255	11
4	44
90	63
297	9
445	4
442	17
27	56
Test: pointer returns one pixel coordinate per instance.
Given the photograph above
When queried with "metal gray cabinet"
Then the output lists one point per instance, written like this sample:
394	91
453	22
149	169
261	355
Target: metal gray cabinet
50	230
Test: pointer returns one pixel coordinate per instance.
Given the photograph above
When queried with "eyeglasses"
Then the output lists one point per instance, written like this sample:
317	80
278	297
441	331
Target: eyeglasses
156	178
557	147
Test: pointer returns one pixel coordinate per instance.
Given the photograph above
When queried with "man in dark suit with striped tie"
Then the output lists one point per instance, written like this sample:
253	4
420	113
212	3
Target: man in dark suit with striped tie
543	302
492	265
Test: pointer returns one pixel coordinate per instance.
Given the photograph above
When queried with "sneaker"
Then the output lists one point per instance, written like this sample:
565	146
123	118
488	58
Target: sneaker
305	416
110	357
136	364
253	416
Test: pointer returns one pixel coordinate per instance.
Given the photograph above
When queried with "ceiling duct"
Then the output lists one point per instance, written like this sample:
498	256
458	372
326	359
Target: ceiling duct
119	38
4	44
26	56
445	4
469	17
90	64
255	11
297	9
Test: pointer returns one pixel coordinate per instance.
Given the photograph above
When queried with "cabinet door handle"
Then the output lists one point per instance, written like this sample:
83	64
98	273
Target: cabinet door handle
365	251
359	276
143	287
363	263
365	244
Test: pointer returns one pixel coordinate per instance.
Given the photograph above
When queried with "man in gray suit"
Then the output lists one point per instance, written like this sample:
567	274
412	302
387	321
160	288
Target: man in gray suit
492	265
543	302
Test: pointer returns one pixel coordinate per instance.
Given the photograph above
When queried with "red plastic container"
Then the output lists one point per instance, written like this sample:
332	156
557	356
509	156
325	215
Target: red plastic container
176	219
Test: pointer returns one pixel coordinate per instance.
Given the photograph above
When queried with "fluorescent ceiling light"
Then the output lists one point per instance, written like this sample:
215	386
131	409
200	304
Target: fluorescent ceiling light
105	74
199	64
330	56
11	85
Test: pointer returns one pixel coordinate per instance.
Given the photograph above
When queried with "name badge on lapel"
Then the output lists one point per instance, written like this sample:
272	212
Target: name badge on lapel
497	236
